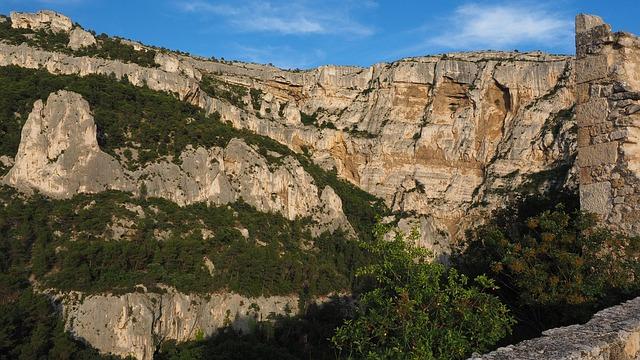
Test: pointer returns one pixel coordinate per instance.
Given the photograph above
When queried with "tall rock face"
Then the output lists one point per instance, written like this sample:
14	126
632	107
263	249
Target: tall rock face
136	324
59	153
59	156
433	136
441	138
608	116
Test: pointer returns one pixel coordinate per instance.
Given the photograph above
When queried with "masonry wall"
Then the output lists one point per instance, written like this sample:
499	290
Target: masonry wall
608	117
612	334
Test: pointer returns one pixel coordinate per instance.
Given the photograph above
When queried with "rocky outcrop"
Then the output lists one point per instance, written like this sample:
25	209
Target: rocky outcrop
79	38
608	95
59	156
42	20
443	137
135	324
612	334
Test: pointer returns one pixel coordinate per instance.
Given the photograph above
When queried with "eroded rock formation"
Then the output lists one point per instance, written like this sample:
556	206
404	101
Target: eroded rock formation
59	156
135	324
419	133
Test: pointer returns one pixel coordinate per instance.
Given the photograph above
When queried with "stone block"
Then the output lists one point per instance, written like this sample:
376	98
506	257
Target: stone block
584	138
591	68
583	93
596	198
619	134
593	155
592	112
586	22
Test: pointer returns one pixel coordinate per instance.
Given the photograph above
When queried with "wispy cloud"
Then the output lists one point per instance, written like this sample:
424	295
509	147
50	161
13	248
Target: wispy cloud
509	25
287	17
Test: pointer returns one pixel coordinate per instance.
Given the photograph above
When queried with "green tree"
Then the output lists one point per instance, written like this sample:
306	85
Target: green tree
553	264
418	309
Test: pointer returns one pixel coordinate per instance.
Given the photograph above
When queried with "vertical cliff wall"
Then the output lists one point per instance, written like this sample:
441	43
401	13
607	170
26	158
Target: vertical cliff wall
608	117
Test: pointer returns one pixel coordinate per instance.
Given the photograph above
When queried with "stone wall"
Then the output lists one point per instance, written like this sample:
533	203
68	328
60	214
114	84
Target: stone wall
612	334
608	117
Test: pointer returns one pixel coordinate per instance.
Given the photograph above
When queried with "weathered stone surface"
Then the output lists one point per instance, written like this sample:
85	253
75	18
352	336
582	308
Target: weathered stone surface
598	154
608	64
586	22
135	324
591	68
596	197
59	156
592	112
612	334
42	20
79	38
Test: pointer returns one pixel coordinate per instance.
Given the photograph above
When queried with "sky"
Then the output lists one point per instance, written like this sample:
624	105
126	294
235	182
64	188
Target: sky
304	33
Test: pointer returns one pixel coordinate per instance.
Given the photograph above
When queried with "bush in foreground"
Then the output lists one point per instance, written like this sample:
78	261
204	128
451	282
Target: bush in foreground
418	309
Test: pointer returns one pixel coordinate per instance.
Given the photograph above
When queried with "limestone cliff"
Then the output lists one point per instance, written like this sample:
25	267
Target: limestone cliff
434	136
59	156
136	324
442	139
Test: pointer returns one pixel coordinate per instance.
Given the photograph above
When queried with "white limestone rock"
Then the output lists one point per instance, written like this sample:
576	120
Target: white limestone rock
79	38
42	20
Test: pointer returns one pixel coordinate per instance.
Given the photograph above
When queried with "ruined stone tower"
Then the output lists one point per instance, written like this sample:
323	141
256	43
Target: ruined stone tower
608	117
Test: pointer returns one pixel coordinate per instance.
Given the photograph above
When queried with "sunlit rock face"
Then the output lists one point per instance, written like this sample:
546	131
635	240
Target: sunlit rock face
59	156
442	137
136	324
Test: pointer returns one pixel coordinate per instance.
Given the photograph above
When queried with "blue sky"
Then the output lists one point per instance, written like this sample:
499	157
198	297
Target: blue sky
304	33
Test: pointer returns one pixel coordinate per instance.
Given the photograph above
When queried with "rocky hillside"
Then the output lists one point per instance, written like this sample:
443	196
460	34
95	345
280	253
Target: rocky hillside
144	169
433	136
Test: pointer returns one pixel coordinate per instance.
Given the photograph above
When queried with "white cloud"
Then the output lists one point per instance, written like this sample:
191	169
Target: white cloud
475	26
287	17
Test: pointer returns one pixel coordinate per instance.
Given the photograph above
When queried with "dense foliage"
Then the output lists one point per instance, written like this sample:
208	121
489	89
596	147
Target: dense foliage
107	47
553	264
116	49
70	237
232	93
418	309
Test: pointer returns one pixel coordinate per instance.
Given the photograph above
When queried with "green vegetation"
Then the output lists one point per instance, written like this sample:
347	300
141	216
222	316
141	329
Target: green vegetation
157	125
45	40
312	120
256	98
553	264
70	236
116	49
419	309
107	47
217	88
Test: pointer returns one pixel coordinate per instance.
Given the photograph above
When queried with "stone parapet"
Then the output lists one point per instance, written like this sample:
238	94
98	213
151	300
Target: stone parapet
612	334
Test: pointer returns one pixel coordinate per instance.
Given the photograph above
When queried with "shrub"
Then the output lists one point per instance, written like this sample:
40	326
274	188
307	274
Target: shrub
418	309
